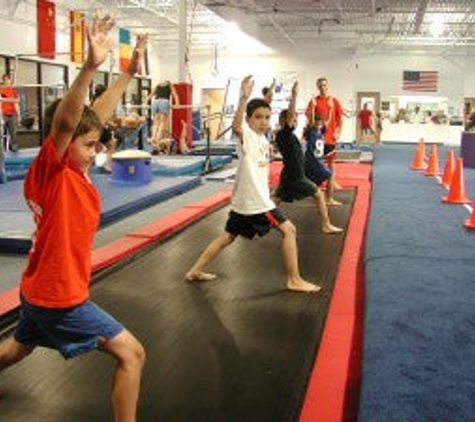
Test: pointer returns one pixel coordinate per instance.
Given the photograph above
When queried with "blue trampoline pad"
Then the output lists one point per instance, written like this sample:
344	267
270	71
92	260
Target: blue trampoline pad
118	200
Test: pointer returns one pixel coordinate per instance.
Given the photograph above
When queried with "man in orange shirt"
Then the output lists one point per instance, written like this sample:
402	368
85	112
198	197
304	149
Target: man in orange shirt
55	308
10	110
329	108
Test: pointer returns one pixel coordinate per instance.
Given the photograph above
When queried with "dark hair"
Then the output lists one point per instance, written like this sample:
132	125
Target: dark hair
321	80
5	76
265	90
89	120
254	104
98	91
283	115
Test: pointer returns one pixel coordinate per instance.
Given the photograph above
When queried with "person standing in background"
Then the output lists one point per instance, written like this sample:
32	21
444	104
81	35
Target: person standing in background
366	121
10	110
332	112
161	104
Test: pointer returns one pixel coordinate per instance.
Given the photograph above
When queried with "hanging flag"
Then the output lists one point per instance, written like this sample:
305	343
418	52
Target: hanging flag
78	36
46	25
419	81
125	48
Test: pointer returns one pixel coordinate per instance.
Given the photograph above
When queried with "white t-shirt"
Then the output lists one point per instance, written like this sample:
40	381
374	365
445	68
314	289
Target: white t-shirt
251	193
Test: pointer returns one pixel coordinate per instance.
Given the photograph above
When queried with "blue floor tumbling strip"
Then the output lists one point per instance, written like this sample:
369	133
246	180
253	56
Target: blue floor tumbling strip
419	336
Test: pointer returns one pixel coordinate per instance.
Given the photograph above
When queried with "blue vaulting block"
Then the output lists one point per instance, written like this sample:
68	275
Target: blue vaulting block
132	166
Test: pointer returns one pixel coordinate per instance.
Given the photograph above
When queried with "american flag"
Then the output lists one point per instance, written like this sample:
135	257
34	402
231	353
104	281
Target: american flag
419	81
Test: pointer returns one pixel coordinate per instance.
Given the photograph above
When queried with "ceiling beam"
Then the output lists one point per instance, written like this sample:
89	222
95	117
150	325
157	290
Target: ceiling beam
281	30
421	11
12	6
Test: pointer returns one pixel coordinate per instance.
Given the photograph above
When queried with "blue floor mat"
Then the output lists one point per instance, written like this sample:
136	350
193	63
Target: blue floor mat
418	359
119	199
17	163
181	165
216	148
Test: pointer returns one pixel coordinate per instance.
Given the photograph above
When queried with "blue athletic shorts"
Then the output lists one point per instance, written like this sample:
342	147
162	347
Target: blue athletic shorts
160	105
71	331
255	224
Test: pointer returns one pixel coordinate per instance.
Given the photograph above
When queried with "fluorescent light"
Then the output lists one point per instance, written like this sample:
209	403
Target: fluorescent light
437	26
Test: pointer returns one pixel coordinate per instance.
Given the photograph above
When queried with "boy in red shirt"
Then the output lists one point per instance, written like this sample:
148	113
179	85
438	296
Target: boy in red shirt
56	311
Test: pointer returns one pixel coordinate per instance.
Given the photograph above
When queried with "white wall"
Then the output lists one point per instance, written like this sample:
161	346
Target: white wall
347	76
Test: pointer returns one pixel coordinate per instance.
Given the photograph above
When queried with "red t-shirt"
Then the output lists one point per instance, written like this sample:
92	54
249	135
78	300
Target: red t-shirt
329	108
66	210
8	109
365	118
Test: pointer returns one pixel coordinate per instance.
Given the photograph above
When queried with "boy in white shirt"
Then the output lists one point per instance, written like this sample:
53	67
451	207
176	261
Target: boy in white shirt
252	210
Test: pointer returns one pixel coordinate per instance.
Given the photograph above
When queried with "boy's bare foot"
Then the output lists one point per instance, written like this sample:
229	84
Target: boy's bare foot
301	285
200	276
333	202
331	229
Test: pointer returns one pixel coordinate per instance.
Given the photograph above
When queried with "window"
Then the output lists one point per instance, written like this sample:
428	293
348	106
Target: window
26	81
53	83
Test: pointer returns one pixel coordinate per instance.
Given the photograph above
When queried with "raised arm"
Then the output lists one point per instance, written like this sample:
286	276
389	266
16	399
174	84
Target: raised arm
150	96
292	113
339	120
311	116
70	108
247	85
107	102
269	96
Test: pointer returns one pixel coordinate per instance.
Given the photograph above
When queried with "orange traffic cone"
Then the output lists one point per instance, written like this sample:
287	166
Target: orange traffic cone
448	169
433	166
457	187
470	222
419	156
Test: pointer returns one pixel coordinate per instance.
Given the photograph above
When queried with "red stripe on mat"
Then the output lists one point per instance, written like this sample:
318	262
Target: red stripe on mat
168	224
9	300
136	240
116	251
214	201
334	383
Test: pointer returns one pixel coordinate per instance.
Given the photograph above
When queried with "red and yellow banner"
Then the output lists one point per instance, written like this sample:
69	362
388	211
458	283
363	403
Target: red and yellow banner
78	36
46	25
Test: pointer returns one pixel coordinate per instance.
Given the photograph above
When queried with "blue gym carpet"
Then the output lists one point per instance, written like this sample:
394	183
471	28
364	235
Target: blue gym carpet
419	338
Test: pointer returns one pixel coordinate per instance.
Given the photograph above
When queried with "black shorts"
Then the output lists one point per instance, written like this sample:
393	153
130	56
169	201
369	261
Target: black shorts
329	151
317	172
250	225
